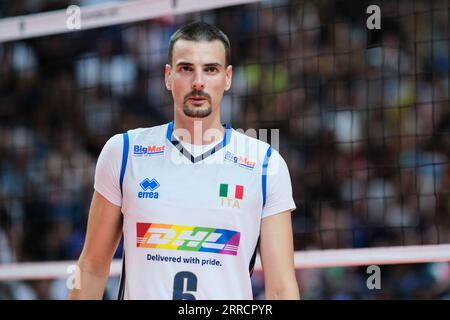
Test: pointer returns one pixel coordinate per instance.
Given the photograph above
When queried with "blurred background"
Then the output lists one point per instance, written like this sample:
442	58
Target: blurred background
364	120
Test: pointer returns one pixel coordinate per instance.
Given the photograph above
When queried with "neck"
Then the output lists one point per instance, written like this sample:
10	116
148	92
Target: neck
198	130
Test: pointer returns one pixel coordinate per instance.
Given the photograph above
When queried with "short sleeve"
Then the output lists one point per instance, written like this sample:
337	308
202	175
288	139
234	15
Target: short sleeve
107	170
278	187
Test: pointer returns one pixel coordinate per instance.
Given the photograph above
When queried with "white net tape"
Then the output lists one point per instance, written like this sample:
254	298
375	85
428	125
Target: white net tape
303	260
103	15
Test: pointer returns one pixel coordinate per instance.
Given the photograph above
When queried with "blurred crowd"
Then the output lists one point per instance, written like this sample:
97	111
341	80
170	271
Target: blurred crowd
363	115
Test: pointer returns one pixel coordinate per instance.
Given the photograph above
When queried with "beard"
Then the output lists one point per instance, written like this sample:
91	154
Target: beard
197	111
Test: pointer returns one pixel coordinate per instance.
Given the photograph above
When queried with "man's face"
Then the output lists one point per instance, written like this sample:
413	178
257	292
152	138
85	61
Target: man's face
198	77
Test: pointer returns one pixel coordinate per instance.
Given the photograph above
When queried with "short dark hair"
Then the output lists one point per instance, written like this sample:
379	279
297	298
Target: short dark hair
200	31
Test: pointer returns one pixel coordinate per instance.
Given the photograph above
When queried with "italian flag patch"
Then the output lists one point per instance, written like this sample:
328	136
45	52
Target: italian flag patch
231	191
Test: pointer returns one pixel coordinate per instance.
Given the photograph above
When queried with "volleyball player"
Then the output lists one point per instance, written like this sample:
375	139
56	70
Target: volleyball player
194	199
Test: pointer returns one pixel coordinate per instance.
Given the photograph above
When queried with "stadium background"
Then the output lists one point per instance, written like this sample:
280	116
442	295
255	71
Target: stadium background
363	115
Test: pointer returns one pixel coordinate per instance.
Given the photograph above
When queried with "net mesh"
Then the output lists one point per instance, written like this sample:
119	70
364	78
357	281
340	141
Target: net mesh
363	116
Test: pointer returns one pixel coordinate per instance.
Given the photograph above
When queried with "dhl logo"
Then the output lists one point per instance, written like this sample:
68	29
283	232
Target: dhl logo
187	238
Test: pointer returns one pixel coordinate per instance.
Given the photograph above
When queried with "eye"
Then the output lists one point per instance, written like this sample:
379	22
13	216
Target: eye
211	69
186	68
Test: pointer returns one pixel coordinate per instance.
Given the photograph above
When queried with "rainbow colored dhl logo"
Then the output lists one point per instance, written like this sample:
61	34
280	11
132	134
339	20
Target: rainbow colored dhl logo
187	238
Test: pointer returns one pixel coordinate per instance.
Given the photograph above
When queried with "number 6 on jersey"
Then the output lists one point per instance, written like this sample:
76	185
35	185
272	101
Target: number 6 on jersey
179	292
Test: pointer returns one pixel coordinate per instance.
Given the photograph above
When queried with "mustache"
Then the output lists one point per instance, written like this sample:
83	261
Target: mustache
197	93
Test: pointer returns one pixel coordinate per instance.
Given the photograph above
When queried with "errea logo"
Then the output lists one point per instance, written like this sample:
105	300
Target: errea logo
149	187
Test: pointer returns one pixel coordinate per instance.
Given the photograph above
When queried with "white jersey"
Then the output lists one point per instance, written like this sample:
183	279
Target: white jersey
191	224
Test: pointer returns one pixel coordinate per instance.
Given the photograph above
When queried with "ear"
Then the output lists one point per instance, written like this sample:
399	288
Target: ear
228	77
167	77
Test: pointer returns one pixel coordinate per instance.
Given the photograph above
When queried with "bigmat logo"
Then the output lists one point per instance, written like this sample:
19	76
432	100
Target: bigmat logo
242	161
187	238
139	150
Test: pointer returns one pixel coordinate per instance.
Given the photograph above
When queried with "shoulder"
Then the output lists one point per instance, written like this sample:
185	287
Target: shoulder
242	137
144	134
255	149
114	144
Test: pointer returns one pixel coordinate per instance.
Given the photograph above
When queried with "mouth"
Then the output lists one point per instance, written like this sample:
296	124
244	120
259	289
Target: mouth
197	101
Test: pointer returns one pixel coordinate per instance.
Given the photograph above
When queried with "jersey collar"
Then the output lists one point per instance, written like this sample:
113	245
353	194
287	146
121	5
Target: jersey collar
225	141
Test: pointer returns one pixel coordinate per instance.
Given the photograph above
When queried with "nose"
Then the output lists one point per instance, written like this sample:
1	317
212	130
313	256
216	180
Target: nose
198	83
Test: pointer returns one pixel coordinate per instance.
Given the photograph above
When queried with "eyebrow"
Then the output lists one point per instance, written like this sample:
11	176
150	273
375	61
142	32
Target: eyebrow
212	64
184	63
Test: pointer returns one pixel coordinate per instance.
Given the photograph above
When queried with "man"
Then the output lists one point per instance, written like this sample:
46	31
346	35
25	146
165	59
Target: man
194	198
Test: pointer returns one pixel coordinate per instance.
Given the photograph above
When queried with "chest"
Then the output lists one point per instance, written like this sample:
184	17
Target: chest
151	185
